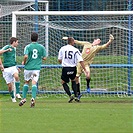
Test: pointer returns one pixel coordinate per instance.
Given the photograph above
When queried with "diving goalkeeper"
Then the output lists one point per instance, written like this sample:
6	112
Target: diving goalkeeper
88	53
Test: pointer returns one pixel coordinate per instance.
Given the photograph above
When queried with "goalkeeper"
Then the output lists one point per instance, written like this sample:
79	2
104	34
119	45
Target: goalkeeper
88	53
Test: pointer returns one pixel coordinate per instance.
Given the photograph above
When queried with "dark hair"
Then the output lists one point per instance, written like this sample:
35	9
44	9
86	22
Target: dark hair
34	37
13	39
70	39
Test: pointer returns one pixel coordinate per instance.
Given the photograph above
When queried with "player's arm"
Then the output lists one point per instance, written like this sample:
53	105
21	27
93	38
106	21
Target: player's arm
24	59
5	50
60	61
1	65
60	56
111	38
44	58
82	43
25	55
44	53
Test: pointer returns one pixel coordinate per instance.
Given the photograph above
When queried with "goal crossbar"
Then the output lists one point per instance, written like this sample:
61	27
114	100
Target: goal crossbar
75	13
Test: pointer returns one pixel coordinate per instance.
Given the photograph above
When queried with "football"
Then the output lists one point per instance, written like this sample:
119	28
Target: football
65	38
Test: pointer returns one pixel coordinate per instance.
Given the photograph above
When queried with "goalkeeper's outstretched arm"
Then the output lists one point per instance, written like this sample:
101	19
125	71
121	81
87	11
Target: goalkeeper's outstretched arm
111	38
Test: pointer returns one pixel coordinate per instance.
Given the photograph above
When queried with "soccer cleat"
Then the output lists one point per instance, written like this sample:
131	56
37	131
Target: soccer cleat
18	96
88	90
32	103
22	102
71	99
78	98
14	100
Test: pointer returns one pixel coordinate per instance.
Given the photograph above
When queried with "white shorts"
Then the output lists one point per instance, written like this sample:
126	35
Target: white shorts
8	74
31	75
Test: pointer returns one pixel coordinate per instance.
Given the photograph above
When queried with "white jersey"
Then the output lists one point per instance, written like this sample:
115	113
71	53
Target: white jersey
69	55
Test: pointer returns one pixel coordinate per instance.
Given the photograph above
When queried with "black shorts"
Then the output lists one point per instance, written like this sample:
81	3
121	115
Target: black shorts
68	73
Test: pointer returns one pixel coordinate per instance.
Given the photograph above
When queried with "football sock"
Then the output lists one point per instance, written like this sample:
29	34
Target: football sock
17	85
34	89
74	87
66	88
25	90
11	93
78	89
88	82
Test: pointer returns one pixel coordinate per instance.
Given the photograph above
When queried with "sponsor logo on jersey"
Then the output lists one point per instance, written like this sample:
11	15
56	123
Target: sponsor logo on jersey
87	50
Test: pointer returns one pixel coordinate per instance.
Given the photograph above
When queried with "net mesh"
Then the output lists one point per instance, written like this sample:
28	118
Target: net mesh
83	28
7	10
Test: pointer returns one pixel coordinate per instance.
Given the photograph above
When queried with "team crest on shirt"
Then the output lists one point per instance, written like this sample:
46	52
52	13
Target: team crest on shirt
87	50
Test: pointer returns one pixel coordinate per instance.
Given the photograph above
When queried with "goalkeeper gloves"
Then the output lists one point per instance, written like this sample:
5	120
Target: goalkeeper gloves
111	38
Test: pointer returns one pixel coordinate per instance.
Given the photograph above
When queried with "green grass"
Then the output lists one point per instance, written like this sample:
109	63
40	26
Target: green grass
52	114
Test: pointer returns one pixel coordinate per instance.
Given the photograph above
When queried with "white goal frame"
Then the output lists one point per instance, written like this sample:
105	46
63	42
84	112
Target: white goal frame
63	13
14	30
60	13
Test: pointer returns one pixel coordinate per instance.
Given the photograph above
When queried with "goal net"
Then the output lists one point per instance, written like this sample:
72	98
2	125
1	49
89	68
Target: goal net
6	9
111	70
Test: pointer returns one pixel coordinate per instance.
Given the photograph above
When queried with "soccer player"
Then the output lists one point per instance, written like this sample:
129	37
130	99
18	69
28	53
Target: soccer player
34	53
88	53
9	69
68	56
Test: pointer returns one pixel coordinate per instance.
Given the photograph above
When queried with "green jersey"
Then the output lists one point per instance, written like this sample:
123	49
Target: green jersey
35	54
9	58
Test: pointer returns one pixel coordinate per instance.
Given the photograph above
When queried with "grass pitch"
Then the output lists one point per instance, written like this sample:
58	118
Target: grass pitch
52	114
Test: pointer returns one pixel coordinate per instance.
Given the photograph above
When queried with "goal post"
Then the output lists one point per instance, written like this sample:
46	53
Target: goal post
36	26
111	71
46	22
